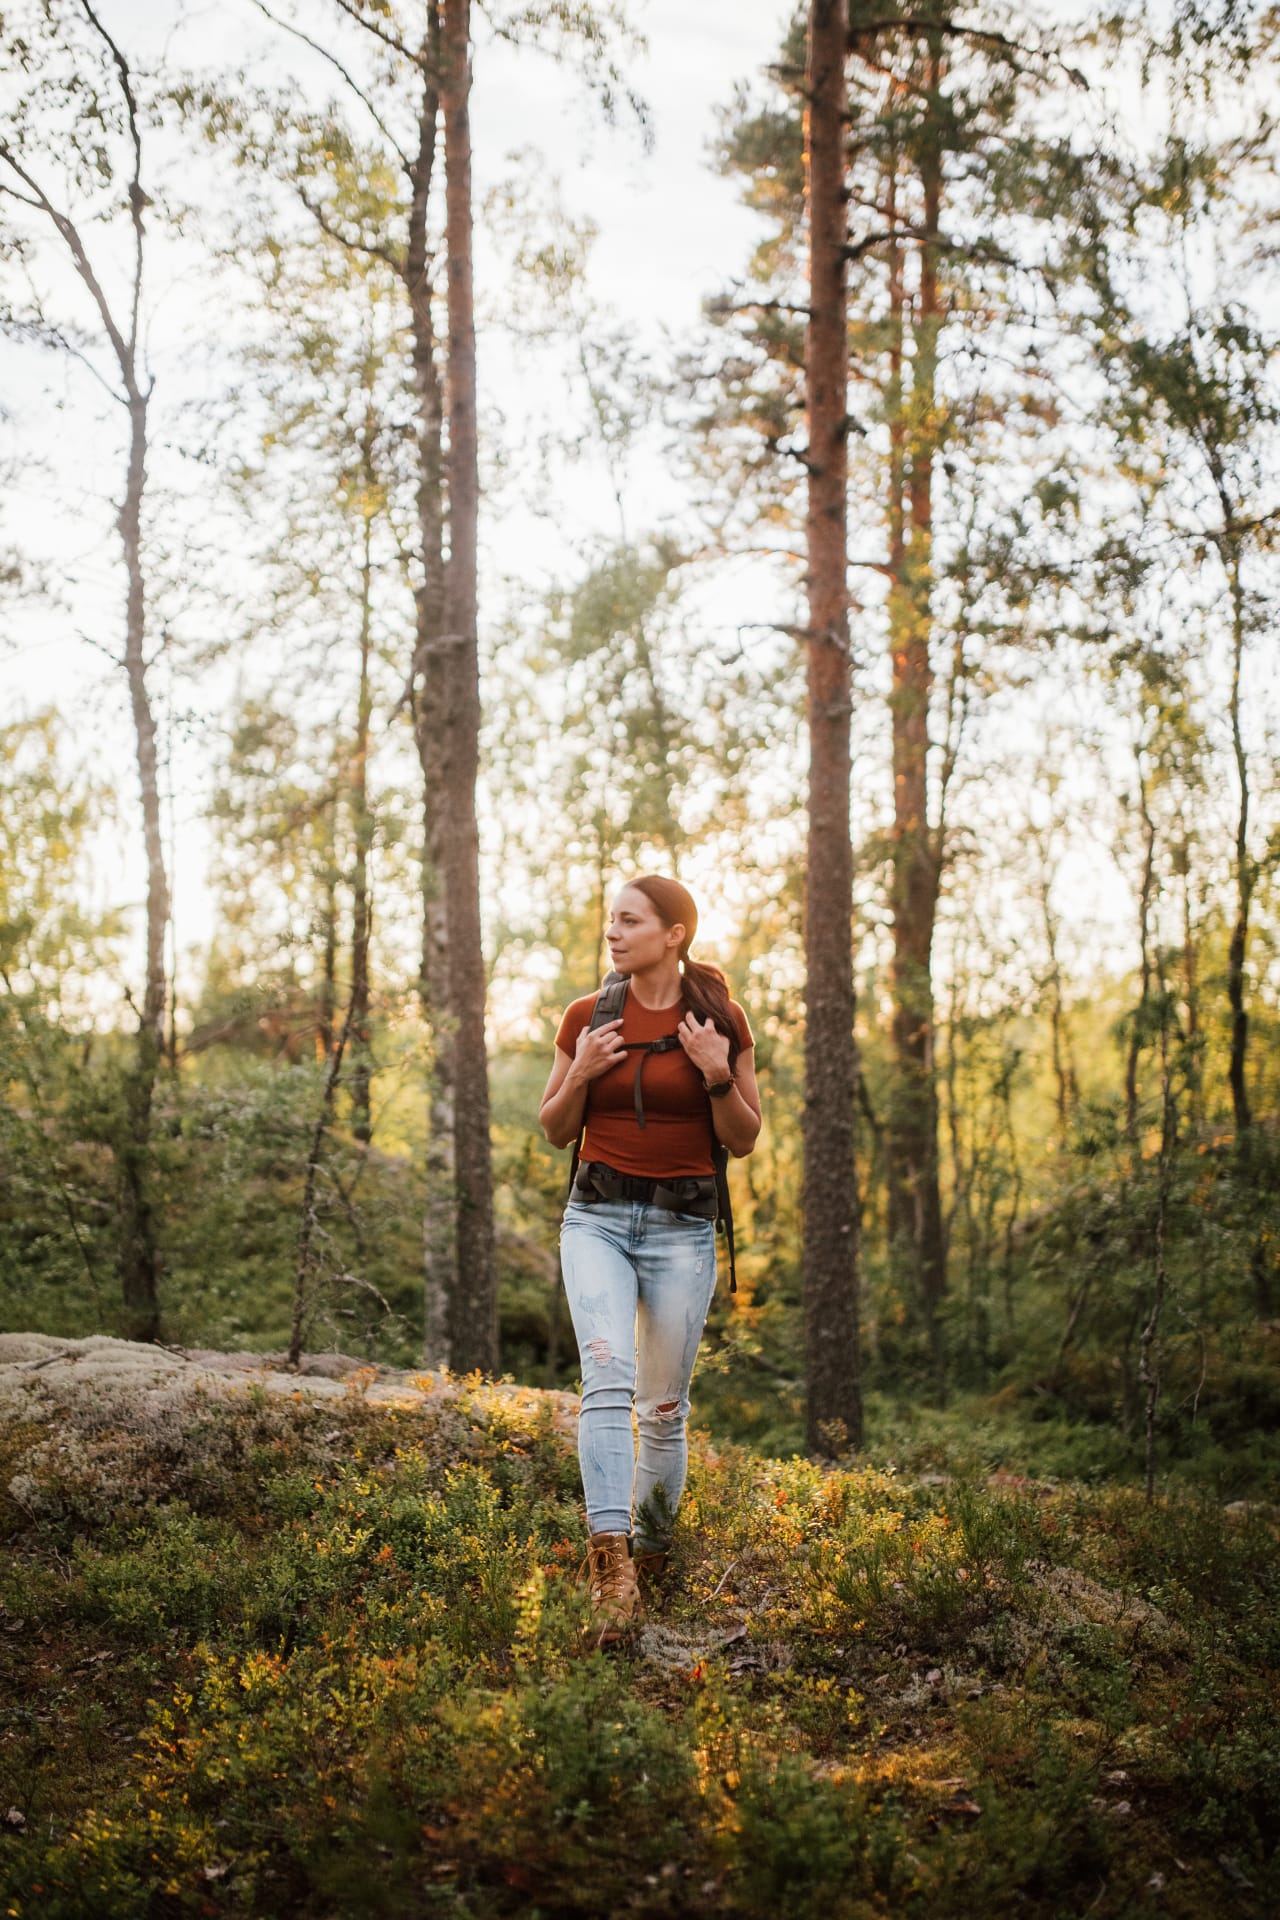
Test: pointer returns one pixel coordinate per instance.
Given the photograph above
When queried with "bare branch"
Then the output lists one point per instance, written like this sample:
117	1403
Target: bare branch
722	308
137	198
11	193
379	32
66	227
48	334
287	26
326	226
956	30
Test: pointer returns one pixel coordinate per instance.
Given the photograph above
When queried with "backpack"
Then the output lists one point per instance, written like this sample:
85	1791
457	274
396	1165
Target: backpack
609	1004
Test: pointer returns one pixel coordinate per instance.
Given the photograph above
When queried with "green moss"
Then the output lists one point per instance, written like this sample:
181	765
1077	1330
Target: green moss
341	1671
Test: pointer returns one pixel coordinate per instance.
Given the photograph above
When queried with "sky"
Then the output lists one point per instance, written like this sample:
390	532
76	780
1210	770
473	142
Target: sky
671	232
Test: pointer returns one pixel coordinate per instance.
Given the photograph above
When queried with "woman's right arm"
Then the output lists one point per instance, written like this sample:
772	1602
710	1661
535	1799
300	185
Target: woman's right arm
565	1100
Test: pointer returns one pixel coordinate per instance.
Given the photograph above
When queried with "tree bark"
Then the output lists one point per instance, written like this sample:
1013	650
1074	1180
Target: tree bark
439	1248
362	823
916	1225
1190	988
1063	1056
138	1257
473	1308
834	1411
1146	892
310	1216
328	1001
1243	878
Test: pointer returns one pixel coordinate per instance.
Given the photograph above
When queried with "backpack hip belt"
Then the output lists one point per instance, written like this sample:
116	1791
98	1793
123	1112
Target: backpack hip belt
696	1194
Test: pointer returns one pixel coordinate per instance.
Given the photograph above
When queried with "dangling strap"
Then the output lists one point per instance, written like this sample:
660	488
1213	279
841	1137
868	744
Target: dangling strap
724	1205
644	1048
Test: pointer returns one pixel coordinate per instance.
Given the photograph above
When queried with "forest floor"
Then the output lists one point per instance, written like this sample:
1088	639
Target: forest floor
278	1644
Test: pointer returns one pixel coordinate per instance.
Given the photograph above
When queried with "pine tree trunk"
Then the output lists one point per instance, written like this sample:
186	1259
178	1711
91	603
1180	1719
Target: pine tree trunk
1190	994
1064	1069
834	1414
327	1007
439	1249
916	1225
473	1309
138	1262
1244	883
1138	1026
362	822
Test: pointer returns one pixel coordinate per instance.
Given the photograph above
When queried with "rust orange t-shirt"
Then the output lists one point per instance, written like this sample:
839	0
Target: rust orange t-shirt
675	1143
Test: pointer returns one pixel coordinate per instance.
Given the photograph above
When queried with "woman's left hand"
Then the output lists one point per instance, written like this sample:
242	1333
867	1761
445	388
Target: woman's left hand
706	1047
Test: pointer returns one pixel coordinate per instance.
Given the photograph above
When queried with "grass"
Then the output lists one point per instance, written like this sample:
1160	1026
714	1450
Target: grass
273	1656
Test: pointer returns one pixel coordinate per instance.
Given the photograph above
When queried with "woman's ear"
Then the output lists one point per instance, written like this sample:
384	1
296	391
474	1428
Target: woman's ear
675	936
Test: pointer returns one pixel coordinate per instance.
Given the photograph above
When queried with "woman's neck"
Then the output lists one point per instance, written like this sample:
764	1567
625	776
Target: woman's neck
657	986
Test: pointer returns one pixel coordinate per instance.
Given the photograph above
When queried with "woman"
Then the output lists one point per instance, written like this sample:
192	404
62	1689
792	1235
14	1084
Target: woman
655	1089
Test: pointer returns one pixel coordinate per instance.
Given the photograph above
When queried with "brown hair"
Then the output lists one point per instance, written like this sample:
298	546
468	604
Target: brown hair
703	988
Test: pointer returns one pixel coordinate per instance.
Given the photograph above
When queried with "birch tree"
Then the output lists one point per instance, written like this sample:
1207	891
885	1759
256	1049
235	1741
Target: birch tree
71	186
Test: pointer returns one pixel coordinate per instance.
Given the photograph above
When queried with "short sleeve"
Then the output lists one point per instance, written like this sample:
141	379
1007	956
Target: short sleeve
576	1017
745	1036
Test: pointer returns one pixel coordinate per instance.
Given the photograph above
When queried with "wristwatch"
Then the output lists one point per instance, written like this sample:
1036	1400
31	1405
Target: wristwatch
718	1092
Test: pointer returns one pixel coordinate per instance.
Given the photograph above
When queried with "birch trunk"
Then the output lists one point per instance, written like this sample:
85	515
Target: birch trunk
138	1262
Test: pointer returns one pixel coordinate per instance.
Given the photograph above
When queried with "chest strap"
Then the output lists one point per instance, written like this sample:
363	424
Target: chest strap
644	1048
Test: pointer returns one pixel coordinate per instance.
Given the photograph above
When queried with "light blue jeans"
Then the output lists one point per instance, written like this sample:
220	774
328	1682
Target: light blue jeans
639	1281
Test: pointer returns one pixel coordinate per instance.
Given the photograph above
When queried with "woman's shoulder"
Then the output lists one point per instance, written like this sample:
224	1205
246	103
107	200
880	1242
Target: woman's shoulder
573	1020
745	1036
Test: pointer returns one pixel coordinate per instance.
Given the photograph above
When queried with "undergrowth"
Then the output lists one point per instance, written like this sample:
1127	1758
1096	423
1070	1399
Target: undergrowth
271	1657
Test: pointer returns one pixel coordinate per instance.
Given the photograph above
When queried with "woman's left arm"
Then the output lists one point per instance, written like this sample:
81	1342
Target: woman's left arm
736	1114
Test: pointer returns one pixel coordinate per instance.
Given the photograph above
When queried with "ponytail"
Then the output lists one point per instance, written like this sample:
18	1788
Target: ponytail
704	991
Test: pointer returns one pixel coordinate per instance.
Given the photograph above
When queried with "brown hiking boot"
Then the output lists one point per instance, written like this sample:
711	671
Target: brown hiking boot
615	1597
650	1564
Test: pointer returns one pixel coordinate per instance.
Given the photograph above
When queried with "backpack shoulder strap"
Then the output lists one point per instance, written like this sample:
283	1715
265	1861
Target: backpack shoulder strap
609	1004
610	1000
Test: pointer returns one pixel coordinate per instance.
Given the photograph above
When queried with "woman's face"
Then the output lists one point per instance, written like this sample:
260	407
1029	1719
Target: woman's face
637	937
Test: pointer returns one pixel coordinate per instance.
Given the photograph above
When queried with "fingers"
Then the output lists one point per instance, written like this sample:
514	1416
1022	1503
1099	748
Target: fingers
590	1035
600	1048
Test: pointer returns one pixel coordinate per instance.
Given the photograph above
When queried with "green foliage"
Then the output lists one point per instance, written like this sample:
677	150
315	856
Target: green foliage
335	1656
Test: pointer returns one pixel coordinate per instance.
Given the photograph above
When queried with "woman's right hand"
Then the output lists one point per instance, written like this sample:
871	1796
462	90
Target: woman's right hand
597	1051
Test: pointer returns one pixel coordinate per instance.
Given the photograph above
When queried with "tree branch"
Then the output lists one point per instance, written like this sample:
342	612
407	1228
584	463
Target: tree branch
287	26
66	227
137	198
720	308
952	28
47	334
326	226
384	34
